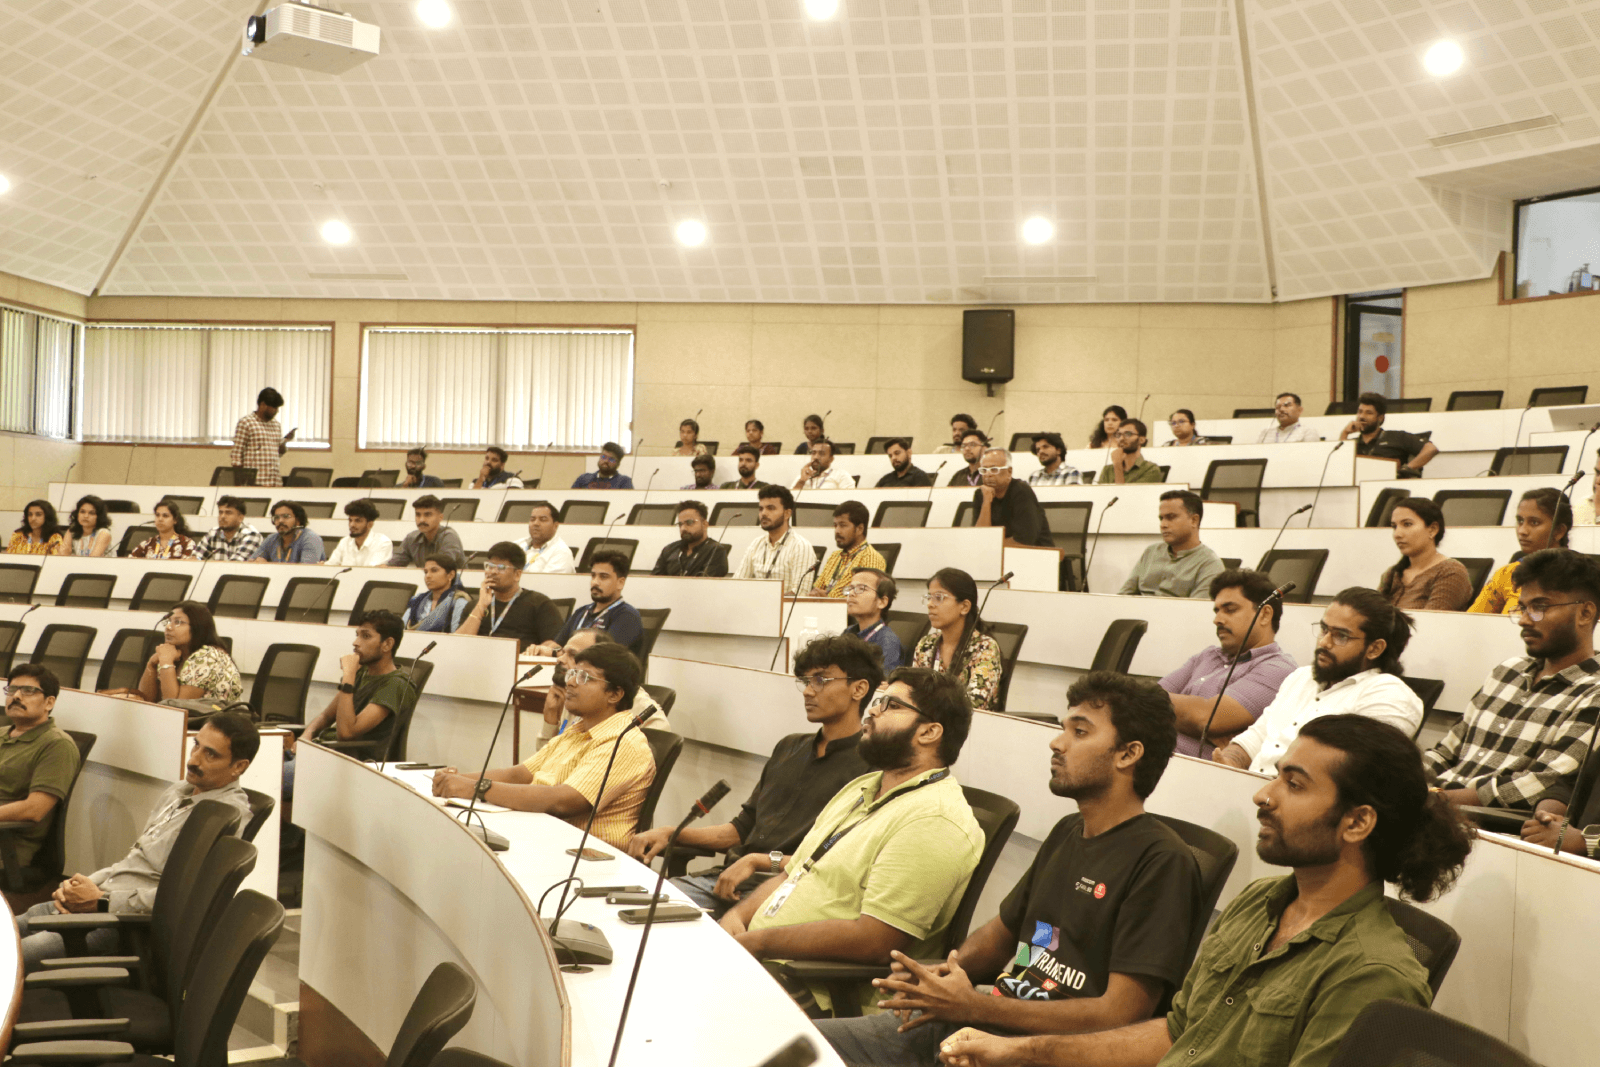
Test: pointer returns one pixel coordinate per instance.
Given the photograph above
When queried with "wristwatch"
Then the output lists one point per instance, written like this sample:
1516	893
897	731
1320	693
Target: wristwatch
776	859
346	687
1591	840
482	787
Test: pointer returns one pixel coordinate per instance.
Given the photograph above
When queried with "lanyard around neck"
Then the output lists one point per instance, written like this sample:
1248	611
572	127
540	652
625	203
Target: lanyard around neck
839	832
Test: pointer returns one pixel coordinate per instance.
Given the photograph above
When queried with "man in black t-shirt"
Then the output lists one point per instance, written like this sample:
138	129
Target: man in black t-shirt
1010	504
1410	452
693	554
1100	930
504	608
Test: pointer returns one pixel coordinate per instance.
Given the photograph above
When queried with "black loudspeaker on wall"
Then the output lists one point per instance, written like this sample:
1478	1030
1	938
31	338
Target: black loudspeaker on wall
988	346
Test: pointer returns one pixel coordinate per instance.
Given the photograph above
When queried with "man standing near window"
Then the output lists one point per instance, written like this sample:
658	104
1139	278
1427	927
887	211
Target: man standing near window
258	439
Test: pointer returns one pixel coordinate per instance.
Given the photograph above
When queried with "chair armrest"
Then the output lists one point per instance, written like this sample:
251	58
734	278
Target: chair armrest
61	1029
829	970
77	976
1497	820
682	854
88	920
125	962
16	825
72	1052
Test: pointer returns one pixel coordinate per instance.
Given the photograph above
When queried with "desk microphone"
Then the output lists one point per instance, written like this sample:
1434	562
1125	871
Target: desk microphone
1090	561
496	842
411	680
1003	579
1140	414
1320	479
784	629
701	807
1566	491
647	486
996	418
634	470
719	542
31	609
604	538
933	480
66	480
449	511
1285	526
1277	594
128	472
544	461
327	589
1516	442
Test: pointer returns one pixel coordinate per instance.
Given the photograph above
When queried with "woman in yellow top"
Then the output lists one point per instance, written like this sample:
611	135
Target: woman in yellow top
39	534
1543	519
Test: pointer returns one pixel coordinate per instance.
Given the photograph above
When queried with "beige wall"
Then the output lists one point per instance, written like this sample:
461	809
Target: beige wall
28	464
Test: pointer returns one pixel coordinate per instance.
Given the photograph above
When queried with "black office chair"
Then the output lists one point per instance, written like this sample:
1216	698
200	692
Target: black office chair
1302	566
724	512
584	512
844	448
278	693
64	648
1216	856
1427	690
390	509
516	511
330	544
1411	405
1069	529
261	808
966	514
10	635
307	600
47	868
1237	482
133	537
908	626
1218	439
664	696
890	551
318	509
1384	505
1393	1033
1529	459
879	445
1473	507
294	481
125	658
564	606
1432	940
664	747
237	596
903	513
1023	442
460	508
17	581
233	476
653	620
255	507
1009	636
1340	407
121	507
821	551
1231	563
1254	413
86	591
628	546
1117	646
348	482
316	477
383	596
814	515
653	515
385	478
159	591
1478	570
1475	400
1558	396
455	483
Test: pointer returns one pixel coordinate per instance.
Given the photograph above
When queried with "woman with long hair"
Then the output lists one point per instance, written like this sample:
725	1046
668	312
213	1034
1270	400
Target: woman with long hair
1184	434
1543	519
90	531
443	603
1424	577
39	534
191	664
689	440
956	642
171	540
1105	431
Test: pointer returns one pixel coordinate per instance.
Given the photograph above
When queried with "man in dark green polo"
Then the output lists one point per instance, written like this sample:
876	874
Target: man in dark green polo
37	758
1292	960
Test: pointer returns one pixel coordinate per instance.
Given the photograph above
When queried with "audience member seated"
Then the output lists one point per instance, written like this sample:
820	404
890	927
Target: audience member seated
443	604
748	457
223	749
1182	425
40	533
293	542
171	539
416	466
232	539
1128	464
1010	504
820	473
555	697
563	778
38	761
1180	566
1584	509
1051	452
1411	452
493	473
1286	408
504	608
902	474
1263	664
1059	958
605	475
754	432
431	536
704	467
1105	431
884	866
693	554
364	547
1424	577
867	599
812	431
90	531
1356	669
689	440
973	442
783	554
1526	730
191	664
850	521
836	676
956	642
259	440
1543	520
960	425
547	553
1292	960
606	610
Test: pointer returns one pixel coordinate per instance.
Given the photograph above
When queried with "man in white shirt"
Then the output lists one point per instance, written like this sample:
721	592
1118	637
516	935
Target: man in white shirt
546	552
1356	671
820	472
782	553
365	547
960	426
1290	430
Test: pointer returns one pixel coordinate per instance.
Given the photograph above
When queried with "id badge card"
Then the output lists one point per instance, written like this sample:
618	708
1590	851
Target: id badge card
779	896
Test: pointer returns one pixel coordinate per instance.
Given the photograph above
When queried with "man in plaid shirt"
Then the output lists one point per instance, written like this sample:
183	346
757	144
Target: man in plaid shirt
231	538
1524	735
258	440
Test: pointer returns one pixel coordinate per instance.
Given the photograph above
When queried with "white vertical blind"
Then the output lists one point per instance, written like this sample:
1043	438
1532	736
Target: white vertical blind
519	389
37	355
57	345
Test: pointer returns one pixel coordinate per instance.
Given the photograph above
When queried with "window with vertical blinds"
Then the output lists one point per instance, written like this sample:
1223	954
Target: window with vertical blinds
38	368
192	384
569	389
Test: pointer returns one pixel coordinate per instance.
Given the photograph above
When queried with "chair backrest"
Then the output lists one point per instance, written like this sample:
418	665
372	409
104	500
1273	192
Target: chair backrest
159	591
584	512
1558	395
86	591
1340	407
208	823
1023	442
664	746
1427	690
879	445
890	551
400	733
1302	566
996	817
316	477
1432	940
1117	647
821	550
725	511
122	507
261	807
279	691
17	581
515	511
653	621
233	476
460	508
318	509
51	859
438	1012
133	537
294	481
1411	405
1529	459
385	596
653	515
237	596
1237	482
228	964
903	513
1069	523
966	514
455	483
844	448
565	606
390	509
330	544
908	626
1478	570
385	478
1254	413
348	482
1473	507
1381	507
256	507
225	866
664	697
1216	856
1475	400
1387	1033
307	600
64	648
711	446
628	546
1218	439
123	664
10	634
813	515
1009	636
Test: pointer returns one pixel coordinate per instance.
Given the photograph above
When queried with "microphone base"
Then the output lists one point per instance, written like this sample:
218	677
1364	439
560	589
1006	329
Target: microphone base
496	842
578	944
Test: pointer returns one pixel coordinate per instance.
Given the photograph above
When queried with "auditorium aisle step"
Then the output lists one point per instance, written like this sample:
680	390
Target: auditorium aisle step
267	1029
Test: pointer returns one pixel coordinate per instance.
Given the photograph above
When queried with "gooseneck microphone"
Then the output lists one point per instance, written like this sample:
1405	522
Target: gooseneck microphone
327	590
1002	580
411	680
647	486
1277	594
1320	479
701	807
784	629
1516	442
605	537
495	841
66	480
1140	414
933	479
719	543
1566	492
989	433
633	471
1301	509
1090	561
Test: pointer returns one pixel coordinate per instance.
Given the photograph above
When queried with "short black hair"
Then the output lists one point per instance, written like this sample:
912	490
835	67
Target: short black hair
1138	425
418	451
497	451
779	493
857	658
1560	570
1375	401
1382	619
1292	396
428	501
963	417
617	558
445	560
941	699
1254	586
508	552
693	505
389	626
1191	501
756	423
244	740
709	462
1549	500
362	508
555	513
1140	711
824	441
983	438
48	682
230	501
855	511
886	583
621	668
901	441
747	449
1053	438
614	449
295	508
270	397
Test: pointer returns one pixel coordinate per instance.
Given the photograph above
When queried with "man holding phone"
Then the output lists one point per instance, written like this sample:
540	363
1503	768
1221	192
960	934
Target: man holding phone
258	439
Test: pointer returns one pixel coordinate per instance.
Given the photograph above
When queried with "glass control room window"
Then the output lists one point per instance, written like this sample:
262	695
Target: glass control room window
1558	244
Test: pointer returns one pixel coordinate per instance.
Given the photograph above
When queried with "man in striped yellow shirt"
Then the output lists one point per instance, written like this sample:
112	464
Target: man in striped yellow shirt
850	534
563	777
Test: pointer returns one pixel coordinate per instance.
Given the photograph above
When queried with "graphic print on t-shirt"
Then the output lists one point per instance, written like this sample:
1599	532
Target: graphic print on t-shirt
1036	973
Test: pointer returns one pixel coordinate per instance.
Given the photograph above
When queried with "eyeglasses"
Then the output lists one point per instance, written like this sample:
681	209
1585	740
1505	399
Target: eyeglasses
1338	638
22	691
934	599
856	590
1536	611
986	471
816	681
579	676
495	568
883	702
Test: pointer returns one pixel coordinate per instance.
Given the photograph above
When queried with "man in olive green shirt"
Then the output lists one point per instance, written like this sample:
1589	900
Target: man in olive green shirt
1293	960
38	761
1127	460
1180	565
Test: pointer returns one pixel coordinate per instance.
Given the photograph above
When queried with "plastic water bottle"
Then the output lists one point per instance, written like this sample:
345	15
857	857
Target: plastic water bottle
807	634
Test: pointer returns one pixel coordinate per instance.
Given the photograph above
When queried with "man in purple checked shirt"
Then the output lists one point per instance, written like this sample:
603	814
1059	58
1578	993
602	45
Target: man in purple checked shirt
1235	595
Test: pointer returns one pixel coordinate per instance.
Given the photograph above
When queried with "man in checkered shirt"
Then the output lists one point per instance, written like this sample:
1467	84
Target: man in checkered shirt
258	440
1520	742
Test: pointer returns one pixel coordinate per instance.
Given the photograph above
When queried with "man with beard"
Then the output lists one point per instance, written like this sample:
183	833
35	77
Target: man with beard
505	609
903	475
1356	669
1051	450
373	691
782	553
1411	452
705	468
608	573
884	866
493	473
820	473
694	553
292	543
749	458
1128	464
850	534
960	425
1293	960
416	472
605	475
973	442
1099	931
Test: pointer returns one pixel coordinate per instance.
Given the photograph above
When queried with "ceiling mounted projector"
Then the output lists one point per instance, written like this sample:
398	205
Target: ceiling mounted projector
312	38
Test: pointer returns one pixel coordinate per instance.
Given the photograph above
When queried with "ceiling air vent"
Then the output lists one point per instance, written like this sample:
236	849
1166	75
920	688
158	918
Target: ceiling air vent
1483	133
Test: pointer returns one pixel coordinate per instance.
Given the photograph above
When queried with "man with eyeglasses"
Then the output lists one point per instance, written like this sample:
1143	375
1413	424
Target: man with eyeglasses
1128	464
973	442
505	609
1010	504
693	554
820	473
850	521
38	761
1290	430
1356	671
836	677
556	719
867	598
884	866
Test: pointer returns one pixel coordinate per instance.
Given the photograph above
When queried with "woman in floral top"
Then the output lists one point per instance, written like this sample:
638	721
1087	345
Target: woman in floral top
39	534
172	536
689	440
191	664
956	644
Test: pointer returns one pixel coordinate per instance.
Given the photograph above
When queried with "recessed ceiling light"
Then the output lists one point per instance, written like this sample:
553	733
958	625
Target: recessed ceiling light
1443	59
336	233
1038	230
435	14
691	232
5	185
822	9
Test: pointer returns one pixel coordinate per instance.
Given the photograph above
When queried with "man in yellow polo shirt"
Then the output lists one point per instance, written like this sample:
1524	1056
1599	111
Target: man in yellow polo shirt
563	777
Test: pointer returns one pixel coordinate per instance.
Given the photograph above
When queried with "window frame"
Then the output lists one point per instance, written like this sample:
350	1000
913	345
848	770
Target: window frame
1508	278
74	373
